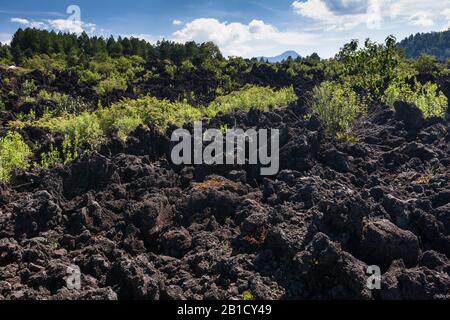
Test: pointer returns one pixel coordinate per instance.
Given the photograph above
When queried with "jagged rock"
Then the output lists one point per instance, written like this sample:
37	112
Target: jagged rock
382	242
410	115
336	160
139	227
397	209
176	243
413	284
331	272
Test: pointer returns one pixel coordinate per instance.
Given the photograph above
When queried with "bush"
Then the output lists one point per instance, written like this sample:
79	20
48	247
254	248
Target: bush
51	158
45	63
28	88
54	156
88	77
371	68
5	62
63	103
337	105
81	130
426	97
127	115
261	98
426	64
247	296
61	100
126	125
110	73
14	154
109	85
2	106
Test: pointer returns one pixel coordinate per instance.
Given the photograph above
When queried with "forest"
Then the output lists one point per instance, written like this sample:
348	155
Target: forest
436	44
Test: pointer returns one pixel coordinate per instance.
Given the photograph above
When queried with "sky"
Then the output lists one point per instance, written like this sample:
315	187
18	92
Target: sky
247	28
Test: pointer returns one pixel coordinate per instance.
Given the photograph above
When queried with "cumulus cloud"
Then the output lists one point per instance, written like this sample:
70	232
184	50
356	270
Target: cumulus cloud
422	19
248	40
314	9
177	22
29	23
64	25
320	11
348	14
72	26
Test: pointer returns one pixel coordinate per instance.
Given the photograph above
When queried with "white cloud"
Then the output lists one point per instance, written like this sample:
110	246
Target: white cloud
248	40
30	23
20	20
422	19
177	22
72	26
446	14
314	9
319	10
342	14
65	25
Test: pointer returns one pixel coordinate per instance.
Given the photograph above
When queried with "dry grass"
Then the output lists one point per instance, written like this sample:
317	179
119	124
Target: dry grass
215	182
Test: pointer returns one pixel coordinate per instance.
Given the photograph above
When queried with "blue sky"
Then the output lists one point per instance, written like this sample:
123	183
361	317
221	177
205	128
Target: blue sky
240	27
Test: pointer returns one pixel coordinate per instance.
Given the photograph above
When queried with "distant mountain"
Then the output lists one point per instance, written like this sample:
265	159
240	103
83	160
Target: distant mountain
281	57
434	43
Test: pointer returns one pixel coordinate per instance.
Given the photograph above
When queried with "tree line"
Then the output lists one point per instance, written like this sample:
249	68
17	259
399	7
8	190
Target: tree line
28	42
434	43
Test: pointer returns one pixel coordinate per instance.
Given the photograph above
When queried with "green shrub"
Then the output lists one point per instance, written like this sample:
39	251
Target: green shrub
63	103
25	117
81	130
348	137
247	296
128	114
61	100
68	153
106	86
57	97
371	68
125	116
261	98
27	100
187	66
126	125
47	64
51	158
88	77
28	88
14	154
110	73
5	62
2	106
426	64
338	106
426	97
170	69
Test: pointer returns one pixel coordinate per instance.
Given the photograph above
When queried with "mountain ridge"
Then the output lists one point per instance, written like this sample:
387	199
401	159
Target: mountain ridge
281	57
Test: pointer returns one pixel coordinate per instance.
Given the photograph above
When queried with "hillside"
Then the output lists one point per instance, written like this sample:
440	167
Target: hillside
434	43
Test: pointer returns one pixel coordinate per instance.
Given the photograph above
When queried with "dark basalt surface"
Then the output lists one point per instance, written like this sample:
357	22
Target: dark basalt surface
140	228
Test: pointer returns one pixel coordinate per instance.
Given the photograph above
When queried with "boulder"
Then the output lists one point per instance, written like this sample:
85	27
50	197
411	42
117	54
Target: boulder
383	242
